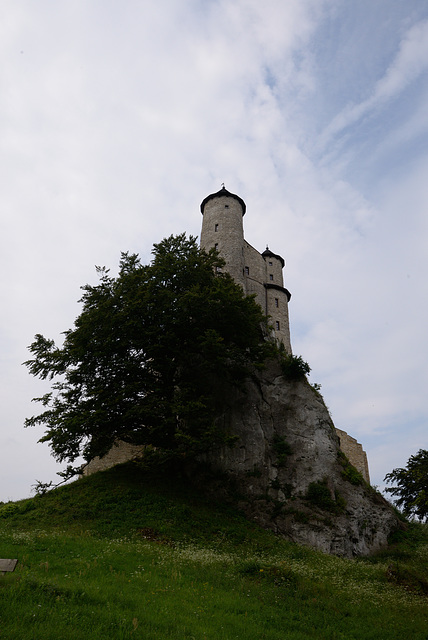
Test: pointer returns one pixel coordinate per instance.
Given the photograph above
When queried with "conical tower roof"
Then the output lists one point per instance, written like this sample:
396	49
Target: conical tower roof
267	253
222	194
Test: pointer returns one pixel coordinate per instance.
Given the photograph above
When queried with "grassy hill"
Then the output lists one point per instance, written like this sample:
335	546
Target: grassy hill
128	554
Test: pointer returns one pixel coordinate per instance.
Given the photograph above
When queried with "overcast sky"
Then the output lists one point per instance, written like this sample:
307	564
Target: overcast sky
118	118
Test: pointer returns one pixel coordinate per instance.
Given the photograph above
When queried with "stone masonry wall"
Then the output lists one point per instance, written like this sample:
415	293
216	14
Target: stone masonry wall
255	275
120	452
355	453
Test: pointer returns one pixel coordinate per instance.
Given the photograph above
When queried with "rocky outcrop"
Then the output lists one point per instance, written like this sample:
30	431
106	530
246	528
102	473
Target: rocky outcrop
289	472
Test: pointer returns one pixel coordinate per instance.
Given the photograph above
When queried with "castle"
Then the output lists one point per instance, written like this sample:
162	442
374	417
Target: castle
257	273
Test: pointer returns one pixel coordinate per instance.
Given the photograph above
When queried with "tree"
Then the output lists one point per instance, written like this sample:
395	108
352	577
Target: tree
149	355
412	486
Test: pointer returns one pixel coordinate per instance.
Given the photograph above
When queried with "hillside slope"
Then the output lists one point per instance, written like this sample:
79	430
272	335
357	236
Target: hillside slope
132	554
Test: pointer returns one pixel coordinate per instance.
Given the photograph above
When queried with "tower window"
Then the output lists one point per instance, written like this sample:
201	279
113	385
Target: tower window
277	325
270	276
226	206
247	271
270	263
216	226
276	302
216	246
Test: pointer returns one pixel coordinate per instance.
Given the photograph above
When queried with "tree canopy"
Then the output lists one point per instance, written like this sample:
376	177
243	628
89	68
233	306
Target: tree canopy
147	357
412	486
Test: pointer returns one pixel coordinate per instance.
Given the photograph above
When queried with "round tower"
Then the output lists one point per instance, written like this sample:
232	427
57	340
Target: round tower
222	228
277	297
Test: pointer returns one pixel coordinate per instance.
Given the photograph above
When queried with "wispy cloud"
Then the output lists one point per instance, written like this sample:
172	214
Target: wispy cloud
410	62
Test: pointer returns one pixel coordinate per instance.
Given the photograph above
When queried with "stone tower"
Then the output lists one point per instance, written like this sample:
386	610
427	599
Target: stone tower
257	273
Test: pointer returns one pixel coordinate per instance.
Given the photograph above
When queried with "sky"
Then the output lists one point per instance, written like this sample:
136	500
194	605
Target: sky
118	118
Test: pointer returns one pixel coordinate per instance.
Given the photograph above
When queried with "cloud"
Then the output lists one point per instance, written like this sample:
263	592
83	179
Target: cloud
410	62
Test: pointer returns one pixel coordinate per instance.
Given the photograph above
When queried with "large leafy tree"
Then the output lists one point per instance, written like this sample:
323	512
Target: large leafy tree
149	356
411	486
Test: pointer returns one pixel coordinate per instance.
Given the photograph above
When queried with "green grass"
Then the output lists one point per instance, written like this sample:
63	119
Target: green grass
130	555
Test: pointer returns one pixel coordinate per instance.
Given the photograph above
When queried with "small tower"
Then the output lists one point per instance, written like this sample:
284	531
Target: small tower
258	274
223	229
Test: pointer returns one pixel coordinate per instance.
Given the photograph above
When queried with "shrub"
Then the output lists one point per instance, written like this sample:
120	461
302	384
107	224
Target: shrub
294	367
282	449
349	472
299	516
8	509
278	506
319	495
249	568
254	473
410	578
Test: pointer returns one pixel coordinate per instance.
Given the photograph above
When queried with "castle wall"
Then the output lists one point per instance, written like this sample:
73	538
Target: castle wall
355	453
263	277
256	276
120	452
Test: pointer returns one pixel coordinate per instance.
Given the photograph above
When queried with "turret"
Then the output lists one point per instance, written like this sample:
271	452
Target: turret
277	297
222	228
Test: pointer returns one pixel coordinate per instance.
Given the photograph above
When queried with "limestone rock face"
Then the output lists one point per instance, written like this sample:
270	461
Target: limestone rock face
286	467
